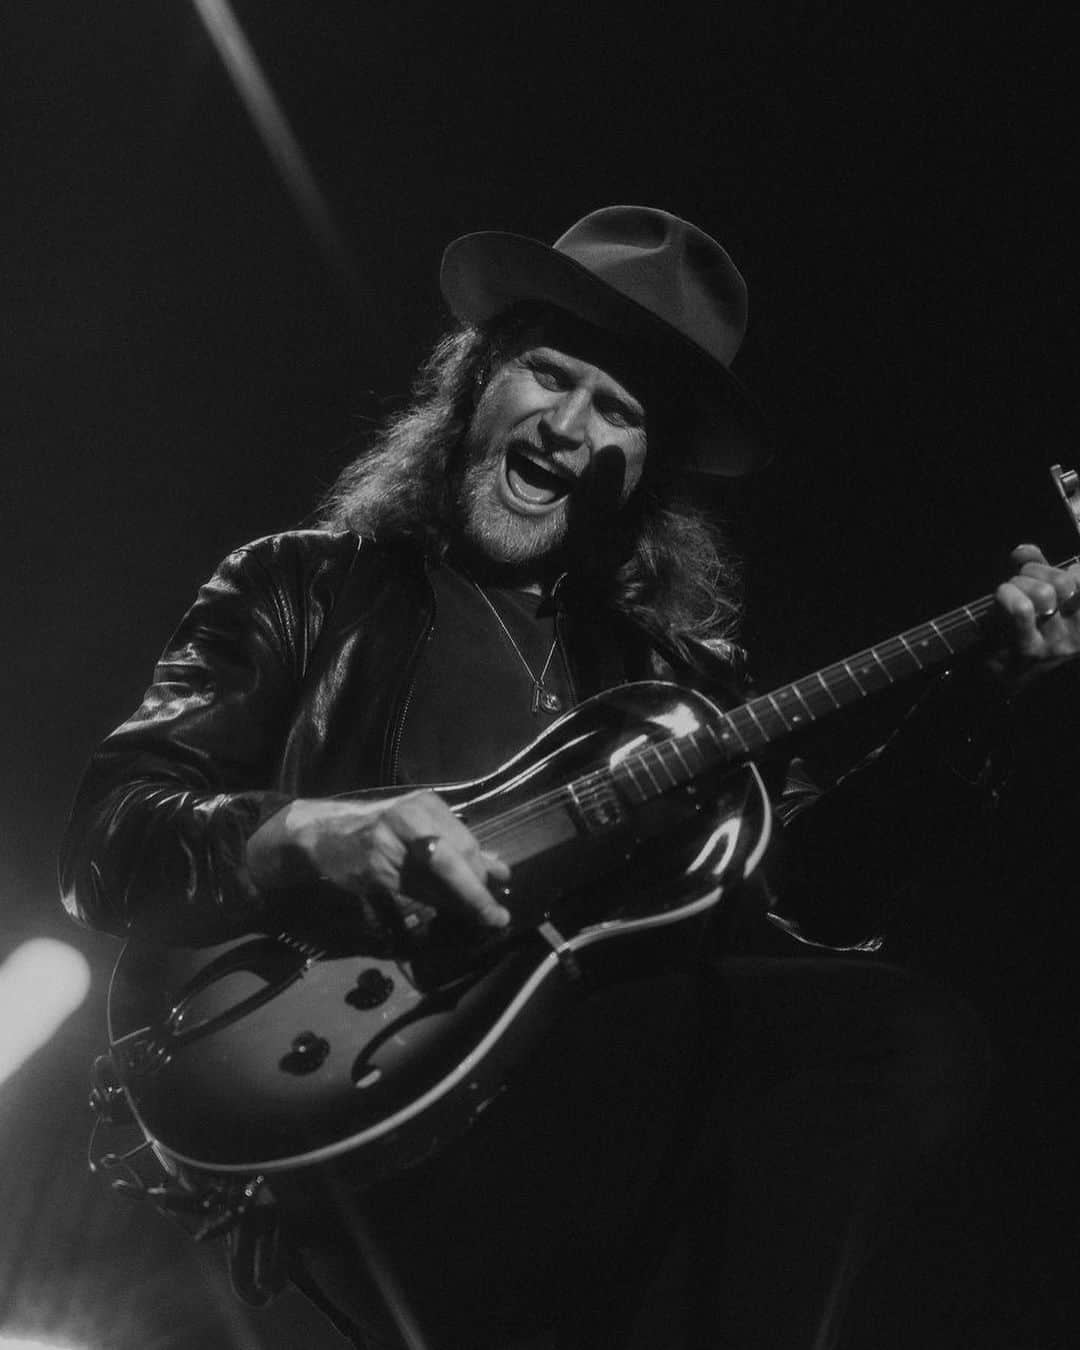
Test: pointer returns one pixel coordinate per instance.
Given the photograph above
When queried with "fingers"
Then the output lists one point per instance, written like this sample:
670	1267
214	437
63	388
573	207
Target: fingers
1021	606
1041	605
467	893
1027	553
361	848
455	858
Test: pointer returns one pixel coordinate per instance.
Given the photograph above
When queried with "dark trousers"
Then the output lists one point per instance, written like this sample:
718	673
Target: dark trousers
684	1168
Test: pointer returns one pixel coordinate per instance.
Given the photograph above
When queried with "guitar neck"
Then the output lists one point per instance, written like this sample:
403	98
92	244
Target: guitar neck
763	720
745	730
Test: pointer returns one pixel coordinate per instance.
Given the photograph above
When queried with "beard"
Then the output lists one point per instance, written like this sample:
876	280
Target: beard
528	545
587	532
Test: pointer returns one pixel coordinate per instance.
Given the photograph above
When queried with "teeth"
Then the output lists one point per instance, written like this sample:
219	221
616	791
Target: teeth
534	482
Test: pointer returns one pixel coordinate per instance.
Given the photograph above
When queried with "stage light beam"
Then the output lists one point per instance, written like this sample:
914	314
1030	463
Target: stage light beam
41	984
277	135
29	1343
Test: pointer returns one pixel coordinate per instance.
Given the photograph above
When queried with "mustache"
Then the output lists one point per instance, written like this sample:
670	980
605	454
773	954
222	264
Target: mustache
599	483
533	449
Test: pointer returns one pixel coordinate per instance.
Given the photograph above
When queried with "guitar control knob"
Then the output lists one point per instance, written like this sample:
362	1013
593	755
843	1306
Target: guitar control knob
308	1052
373	987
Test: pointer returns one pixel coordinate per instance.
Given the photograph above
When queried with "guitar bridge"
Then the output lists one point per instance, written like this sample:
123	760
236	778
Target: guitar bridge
596	806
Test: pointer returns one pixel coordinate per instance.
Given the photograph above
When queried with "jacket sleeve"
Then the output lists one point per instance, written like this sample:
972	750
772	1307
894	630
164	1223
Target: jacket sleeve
158	830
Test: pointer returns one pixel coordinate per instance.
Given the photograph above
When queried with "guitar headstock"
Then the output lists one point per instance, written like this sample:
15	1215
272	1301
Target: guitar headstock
1067	482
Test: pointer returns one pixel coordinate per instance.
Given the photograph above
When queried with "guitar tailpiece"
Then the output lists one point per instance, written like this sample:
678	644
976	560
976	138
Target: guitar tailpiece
206	1207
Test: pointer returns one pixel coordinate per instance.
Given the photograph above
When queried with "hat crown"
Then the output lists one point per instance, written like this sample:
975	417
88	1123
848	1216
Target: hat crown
668	266
652	279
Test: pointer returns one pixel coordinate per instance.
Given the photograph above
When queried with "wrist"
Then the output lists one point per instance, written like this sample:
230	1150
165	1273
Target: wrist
272	856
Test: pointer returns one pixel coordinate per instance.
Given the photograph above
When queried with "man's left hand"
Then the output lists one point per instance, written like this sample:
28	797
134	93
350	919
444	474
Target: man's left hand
1040	607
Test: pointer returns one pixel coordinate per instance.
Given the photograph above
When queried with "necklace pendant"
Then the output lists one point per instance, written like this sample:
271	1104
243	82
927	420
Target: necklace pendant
544	700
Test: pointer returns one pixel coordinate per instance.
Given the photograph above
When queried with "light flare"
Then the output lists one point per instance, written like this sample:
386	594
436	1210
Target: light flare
41	984
277	135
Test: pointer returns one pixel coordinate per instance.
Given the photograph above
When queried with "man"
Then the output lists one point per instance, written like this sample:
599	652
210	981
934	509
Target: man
518	540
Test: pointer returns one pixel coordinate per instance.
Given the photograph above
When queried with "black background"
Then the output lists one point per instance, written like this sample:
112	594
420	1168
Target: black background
183	368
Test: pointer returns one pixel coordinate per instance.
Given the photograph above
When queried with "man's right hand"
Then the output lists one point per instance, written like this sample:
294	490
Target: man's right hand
393	851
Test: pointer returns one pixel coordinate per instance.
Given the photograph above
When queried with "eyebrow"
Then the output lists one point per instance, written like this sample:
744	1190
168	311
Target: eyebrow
620	395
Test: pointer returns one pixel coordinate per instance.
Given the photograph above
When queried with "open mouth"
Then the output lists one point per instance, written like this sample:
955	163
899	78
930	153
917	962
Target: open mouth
532	483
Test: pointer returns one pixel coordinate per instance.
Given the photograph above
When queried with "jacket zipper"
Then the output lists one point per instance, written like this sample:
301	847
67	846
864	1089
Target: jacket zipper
399	730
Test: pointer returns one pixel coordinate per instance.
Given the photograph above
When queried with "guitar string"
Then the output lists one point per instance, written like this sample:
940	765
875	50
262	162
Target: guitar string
556	798
547	803
951	623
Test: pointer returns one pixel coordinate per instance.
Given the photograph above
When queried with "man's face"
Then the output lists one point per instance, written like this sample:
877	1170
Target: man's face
556	445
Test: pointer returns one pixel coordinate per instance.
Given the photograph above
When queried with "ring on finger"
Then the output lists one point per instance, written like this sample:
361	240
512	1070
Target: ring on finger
420	850
413	915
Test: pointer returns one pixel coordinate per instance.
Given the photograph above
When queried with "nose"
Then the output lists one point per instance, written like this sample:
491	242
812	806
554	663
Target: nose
565	424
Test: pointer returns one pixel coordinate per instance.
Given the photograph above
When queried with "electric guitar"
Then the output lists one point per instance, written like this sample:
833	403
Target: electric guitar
624	825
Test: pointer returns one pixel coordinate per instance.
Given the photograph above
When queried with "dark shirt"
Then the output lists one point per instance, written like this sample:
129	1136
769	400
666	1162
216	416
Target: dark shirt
471	702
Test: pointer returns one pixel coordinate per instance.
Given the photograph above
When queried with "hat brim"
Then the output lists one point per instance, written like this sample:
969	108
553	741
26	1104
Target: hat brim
484	274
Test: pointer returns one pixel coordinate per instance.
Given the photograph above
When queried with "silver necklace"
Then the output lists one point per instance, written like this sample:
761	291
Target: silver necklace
543	700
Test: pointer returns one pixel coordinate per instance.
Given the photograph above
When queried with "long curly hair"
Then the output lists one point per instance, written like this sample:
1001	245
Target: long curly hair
666	565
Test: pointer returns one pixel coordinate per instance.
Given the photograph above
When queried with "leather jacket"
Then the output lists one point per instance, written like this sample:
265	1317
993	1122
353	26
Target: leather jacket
288	677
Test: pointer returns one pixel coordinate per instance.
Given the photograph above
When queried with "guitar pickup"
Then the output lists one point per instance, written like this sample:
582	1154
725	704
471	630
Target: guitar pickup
597	807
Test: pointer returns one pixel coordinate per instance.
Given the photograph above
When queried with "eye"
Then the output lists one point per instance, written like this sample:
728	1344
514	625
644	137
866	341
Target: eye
548	375
619	414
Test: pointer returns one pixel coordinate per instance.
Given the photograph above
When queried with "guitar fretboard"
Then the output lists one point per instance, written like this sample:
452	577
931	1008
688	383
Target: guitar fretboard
743	731
641	773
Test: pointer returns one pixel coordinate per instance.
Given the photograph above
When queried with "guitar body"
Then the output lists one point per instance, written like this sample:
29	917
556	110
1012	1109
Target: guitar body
288	1048
624	824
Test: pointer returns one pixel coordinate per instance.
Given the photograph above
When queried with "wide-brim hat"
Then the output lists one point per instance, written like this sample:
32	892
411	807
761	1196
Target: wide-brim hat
652	280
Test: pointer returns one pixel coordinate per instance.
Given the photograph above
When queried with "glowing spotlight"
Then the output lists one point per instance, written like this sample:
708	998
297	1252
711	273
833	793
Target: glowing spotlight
41	983
269	120
29	1343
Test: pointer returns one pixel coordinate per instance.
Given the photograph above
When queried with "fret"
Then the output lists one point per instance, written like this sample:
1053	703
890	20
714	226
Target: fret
898	659
748	708
625	769
789	720
702	756
911	651
828	691
854	679
779	711
941	635
809	711
676	747
648	772
729	726
655	753
770	717
884	669
923	641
